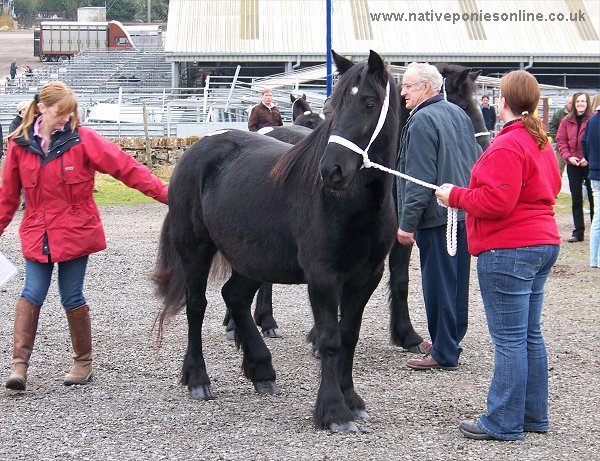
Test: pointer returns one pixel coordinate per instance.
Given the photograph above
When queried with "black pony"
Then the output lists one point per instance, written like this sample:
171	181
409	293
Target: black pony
306	214
303	115
460	89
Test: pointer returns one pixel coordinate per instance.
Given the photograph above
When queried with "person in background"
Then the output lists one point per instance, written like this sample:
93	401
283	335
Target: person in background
439	145
16	123
54	159
13	69
590	146
21	106
568	138
264	113
489	114
553	128
512	230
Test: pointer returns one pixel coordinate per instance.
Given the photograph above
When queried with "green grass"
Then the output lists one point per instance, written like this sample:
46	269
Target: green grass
114	192
563	203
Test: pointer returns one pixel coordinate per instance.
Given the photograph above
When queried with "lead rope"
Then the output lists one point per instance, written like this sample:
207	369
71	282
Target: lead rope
452	224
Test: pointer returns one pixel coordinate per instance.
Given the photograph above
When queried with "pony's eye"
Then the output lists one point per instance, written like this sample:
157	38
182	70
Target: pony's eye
370	107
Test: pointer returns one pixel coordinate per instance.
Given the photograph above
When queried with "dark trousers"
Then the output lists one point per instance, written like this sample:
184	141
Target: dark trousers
578	176
445	281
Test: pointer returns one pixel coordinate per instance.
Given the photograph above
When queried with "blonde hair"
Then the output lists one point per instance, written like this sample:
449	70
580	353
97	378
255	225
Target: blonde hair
52	94
521	92
596	102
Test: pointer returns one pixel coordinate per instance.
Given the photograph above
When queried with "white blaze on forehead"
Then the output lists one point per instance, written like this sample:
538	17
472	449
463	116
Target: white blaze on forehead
354	90
214	133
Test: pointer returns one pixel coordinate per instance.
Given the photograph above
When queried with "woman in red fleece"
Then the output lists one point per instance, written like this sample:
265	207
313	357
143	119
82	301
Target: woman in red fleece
511	228
54	160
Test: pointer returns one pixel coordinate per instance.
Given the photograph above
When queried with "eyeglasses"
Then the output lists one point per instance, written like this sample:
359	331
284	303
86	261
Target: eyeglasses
408	86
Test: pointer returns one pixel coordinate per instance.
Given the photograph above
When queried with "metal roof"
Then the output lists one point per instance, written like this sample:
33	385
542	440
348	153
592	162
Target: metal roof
422	30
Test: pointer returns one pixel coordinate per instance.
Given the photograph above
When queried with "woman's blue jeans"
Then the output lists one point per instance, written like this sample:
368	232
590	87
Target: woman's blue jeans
71	275
512	287
595	230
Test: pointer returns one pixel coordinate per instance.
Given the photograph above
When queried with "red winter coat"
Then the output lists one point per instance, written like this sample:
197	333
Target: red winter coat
61	219
569	139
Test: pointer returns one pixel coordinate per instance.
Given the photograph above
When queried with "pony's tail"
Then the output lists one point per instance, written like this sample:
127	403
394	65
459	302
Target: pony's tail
169	279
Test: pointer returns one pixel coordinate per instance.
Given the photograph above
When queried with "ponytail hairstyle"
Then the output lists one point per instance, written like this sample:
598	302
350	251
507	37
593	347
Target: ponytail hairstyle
521	92
589	110
53	93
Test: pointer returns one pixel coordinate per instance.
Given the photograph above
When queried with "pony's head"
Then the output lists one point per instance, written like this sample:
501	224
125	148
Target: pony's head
303	115
459	82
364	120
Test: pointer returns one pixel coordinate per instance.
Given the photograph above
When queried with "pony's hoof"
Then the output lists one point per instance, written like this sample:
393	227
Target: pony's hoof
202	393
272	333
345	428
266	387
361	415
230	334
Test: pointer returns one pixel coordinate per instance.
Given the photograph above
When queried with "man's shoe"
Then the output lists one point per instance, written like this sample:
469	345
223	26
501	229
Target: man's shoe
574	239
422	348
427	363
471	430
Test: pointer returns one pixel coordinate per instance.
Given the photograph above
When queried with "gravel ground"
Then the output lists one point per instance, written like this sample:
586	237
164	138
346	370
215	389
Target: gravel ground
135	408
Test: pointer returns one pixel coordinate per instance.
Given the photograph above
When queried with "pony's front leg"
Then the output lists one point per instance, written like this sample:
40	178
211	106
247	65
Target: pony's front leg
355	296
238	293
331	410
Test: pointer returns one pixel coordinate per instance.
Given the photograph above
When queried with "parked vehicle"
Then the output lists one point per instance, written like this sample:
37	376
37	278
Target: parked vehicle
56	40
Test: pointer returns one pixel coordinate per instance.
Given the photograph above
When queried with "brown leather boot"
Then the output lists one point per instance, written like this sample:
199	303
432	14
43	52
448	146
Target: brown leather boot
26	322
80	327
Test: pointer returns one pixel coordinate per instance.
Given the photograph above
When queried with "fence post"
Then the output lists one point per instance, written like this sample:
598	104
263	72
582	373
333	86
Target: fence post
148	146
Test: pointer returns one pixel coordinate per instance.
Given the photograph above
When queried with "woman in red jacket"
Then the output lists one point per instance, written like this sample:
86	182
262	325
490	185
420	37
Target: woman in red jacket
568	137
54	160
512	229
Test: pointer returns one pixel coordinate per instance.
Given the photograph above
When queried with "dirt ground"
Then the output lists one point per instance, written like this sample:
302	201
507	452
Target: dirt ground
17	44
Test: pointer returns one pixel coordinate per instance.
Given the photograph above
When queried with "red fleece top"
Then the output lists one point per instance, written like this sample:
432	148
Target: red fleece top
510	199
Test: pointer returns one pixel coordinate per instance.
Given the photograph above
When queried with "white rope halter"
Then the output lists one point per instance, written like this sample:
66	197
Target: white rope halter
452	226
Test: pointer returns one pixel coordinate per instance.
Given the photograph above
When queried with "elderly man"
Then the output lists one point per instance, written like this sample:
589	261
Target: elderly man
438	146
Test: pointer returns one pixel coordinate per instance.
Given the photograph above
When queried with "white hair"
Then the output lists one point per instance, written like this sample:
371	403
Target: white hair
428	73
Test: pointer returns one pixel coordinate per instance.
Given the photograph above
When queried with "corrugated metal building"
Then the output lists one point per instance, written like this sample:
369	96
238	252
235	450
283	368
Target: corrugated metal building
558	40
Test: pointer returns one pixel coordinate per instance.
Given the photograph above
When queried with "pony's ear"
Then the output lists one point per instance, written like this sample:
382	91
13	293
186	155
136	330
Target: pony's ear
292	98
342	64
463	75
474	74
376	65
304	96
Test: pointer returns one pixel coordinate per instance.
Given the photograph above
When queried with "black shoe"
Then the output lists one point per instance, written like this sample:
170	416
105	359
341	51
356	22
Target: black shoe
471	430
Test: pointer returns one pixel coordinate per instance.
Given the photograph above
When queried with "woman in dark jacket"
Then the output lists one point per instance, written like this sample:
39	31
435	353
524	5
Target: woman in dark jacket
54	160
568	138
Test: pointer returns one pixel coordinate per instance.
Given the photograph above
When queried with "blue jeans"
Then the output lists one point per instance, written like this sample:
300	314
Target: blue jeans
595	229
512	288
71	275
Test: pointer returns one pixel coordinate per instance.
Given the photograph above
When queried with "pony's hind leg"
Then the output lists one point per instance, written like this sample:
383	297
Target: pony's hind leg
263	312
402	332
197	264
238	294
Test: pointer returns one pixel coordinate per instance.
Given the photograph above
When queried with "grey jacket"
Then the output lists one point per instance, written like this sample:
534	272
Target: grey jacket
438	146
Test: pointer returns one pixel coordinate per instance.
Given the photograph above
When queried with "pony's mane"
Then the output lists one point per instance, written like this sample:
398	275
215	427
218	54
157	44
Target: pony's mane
304	157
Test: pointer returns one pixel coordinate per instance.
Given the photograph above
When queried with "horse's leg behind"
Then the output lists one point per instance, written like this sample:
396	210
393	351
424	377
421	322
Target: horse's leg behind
263	312
331	411
402	332
238	293
263	315
196	262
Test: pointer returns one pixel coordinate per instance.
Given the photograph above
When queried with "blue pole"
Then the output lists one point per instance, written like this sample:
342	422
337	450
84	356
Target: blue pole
328	57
